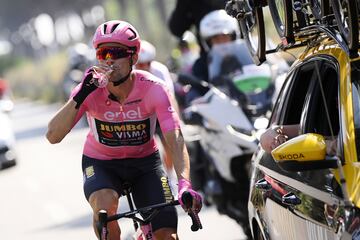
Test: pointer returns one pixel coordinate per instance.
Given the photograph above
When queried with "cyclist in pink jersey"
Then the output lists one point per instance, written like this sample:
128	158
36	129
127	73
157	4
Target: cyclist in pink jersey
120	145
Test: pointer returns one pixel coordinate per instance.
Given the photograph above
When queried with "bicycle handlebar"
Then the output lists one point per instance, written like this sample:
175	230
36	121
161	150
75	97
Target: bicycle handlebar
187	199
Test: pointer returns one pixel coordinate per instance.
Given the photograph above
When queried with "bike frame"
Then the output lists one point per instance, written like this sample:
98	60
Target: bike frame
144	232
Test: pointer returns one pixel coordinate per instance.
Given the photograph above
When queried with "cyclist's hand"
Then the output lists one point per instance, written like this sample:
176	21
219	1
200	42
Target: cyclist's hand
87	87
185	185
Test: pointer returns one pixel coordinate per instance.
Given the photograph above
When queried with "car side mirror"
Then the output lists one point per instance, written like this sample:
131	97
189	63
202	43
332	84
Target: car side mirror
304	152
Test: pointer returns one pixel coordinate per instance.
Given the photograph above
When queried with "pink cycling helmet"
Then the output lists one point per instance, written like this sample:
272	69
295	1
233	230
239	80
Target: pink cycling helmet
117	31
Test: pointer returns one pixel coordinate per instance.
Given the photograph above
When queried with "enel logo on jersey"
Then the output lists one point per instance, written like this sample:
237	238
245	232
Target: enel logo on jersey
131	114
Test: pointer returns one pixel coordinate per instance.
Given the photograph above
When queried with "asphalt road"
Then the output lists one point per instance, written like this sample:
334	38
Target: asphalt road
42	197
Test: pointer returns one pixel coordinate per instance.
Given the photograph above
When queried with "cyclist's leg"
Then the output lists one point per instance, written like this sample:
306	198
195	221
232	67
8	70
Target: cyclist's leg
102	192
150	187
106	199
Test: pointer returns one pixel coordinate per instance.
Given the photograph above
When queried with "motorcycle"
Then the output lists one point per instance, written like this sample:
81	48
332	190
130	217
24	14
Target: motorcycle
221	153
230	115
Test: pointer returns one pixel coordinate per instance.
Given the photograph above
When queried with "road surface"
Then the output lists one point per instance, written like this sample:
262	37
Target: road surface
42	197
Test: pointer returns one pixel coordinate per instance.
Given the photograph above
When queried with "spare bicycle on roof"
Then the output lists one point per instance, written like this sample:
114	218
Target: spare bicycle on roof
298	23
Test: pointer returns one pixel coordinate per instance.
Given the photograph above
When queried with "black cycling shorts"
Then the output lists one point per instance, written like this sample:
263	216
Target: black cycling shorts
149	183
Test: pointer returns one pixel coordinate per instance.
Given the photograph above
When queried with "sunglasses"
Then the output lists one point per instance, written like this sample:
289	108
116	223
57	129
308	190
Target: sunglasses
113	53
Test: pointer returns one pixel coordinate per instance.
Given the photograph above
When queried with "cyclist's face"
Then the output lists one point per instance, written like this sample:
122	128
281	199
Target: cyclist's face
221	38
119	62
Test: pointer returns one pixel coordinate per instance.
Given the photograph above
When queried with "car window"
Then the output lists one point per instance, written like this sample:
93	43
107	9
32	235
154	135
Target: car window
290	102
356	103
321	113
289	106
303	103
281	99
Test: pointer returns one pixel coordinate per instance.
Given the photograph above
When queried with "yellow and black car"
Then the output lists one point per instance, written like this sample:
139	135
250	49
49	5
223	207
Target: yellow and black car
298	191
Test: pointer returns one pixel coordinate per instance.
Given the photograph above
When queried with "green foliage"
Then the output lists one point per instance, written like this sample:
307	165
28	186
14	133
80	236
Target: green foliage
112	9
156	32
7	62
42	79
38	80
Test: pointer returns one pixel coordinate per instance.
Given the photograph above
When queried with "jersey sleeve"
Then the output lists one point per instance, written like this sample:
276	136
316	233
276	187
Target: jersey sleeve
158	98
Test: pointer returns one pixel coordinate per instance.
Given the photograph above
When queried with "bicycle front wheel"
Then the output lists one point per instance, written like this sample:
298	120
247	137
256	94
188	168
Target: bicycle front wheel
253	29
282	15
346	15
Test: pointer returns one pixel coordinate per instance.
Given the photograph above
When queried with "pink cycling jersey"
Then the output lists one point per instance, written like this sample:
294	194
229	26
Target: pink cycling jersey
126	130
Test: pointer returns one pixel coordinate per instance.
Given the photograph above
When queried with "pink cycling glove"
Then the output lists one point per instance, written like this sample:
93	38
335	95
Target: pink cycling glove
185	185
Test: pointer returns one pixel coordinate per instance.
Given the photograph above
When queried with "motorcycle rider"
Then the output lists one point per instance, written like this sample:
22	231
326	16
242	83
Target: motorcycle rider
188	14
217	27
184	54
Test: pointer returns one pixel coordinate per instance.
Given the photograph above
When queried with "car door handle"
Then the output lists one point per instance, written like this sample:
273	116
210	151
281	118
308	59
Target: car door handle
290	199
262	184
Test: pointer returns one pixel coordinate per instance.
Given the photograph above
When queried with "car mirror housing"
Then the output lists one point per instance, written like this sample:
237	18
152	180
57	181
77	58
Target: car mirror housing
302	153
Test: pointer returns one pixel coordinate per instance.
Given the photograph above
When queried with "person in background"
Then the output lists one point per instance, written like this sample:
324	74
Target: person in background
3	88
120	146
217	27
147	62
6	97
185	54
187	15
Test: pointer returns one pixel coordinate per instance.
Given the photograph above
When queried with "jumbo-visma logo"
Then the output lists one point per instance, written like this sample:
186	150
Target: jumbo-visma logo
130	133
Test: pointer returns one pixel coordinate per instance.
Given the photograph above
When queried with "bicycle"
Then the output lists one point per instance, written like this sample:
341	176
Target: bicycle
346	15
251	20
144	232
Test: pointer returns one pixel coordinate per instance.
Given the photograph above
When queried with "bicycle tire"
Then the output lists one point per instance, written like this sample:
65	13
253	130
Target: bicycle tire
346	16
282	16
253	23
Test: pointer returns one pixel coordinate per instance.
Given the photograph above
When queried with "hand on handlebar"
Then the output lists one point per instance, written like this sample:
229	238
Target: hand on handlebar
87	87
185	186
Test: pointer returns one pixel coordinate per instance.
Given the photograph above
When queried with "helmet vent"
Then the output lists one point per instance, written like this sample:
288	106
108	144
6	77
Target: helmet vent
114	27
134	35
104	28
